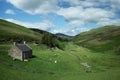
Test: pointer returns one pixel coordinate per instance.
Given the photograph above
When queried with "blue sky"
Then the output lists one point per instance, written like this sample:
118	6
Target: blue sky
70	17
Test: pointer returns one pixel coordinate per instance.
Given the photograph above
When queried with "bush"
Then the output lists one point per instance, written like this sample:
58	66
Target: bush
60	45
52	42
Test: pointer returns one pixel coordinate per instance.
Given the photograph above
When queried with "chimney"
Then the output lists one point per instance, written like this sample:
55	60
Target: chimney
24	42
14	43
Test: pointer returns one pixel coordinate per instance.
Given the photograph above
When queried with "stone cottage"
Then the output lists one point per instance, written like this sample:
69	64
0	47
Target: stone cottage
20	51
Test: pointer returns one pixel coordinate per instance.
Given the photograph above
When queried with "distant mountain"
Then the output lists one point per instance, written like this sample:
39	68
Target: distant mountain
101	39
64	37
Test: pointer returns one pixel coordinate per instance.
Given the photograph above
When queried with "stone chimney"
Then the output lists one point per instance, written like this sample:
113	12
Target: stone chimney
14	43
24	42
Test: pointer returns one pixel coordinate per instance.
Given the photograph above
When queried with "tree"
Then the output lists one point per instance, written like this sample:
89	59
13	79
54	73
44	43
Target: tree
48	39
51	41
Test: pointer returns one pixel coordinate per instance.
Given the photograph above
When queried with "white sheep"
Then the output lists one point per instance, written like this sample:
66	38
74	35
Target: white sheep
55	61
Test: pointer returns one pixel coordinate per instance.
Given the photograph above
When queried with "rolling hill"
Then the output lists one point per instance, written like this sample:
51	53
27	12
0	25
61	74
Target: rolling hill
13	32
10	32
102	39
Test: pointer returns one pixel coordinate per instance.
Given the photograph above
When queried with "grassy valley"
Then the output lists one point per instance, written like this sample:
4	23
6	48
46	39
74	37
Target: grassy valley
91	55
70	65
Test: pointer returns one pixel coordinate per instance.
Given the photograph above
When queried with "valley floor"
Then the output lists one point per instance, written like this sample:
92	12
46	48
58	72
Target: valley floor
75	63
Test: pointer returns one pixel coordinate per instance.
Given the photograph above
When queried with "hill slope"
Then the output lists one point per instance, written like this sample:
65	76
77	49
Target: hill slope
13	32
103	39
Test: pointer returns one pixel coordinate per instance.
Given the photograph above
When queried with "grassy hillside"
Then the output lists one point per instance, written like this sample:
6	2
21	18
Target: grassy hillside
75	63
102	39
12	32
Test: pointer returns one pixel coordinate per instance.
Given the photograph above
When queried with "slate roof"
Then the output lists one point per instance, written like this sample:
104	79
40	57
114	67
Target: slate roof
23	47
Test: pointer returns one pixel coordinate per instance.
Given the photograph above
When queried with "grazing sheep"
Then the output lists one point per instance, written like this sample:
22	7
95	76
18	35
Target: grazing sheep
86	65
55	61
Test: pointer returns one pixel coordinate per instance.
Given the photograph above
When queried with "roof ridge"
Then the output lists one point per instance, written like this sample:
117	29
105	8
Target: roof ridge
23	47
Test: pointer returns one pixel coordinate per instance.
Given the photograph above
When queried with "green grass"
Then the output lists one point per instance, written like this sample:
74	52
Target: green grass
102	39
68	66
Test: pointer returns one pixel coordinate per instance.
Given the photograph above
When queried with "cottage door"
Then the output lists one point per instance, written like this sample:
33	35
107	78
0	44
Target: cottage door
25	55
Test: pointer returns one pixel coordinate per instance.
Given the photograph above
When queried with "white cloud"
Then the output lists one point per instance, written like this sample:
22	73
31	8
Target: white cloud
71	12
76	23
70	31
9	11
95	14
112	3
107	21
35	6
48	26
44	25
78	16
79	12
71	2
83	3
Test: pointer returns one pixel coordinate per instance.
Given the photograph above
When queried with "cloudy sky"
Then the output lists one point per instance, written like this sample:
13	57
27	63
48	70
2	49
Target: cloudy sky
61	16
